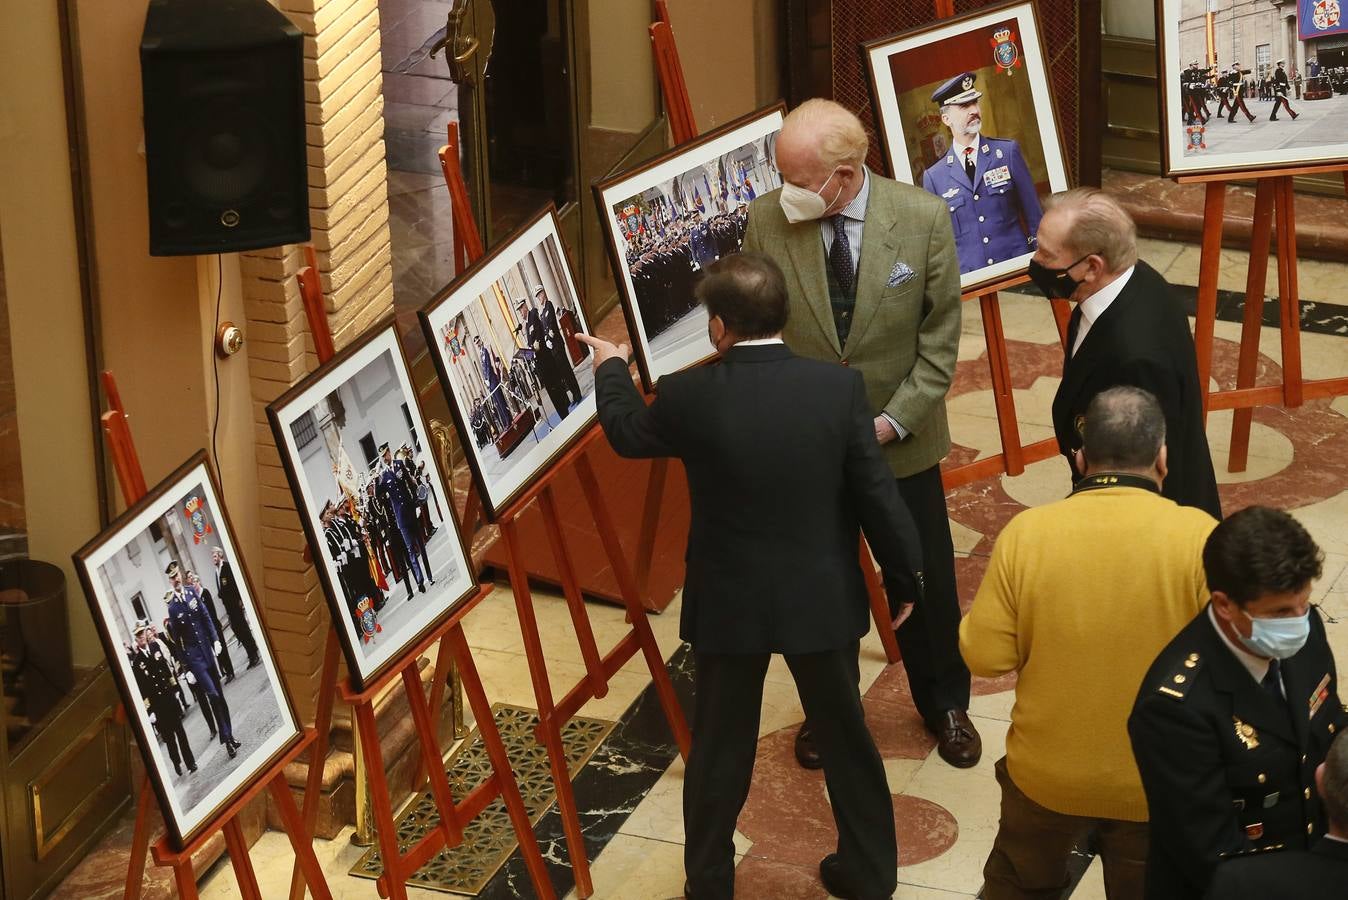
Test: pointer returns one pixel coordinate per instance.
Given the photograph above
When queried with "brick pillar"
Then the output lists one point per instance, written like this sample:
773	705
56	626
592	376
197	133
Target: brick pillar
348	210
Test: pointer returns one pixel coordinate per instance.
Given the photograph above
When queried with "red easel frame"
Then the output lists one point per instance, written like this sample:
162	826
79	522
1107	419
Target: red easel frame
598	670
126	463
1274	198
452	646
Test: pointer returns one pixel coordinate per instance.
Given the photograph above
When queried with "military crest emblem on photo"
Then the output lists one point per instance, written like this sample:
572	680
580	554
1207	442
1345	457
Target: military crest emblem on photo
1004	50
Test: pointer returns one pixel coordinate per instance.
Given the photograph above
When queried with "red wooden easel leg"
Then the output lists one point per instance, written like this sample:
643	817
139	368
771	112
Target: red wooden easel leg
1289	301
301	841
1248	364
239	859
636	613
500	763
439	679
1002	396
430	753
392	882
1062	318
186	879
140	842
580	618
1209	264
318	750
879	606
548	729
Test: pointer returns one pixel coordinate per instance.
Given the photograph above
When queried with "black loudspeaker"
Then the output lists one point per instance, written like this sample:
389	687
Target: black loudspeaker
223	82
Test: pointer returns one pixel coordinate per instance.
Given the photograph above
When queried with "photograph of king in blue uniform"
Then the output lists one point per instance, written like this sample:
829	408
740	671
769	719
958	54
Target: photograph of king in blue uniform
984	182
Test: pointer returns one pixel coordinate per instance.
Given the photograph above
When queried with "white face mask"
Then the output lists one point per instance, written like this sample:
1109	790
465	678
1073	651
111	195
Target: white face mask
802	205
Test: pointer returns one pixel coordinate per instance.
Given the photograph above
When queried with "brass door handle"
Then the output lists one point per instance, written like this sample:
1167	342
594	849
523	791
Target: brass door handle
473	44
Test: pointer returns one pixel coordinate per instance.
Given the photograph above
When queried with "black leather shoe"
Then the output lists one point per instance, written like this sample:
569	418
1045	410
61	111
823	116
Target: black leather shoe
836	880
957	740
806	752
229	748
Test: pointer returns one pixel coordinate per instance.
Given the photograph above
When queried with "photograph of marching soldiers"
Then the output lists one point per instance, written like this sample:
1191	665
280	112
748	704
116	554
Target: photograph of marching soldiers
963	117
518	373
672	230
198	667
378	506
1252	83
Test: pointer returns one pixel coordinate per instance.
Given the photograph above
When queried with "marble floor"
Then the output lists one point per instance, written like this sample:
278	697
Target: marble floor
946	817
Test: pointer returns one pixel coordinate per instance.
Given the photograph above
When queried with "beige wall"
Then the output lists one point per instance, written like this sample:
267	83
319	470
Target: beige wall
729	52
45	307
622	76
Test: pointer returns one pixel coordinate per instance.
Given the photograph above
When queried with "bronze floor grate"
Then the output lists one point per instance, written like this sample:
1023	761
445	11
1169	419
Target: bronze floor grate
488	840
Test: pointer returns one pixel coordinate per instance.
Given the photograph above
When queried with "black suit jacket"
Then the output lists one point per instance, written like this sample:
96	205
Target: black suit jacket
783	472
1320	874
229	590
1225	770
1143	339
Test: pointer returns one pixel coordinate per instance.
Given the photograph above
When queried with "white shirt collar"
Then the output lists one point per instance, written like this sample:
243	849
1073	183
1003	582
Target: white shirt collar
857	208
1094	306
1257	666
759	342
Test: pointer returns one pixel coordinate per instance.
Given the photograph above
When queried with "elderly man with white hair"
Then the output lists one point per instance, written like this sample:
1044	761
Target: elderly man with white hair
1128	328
874	284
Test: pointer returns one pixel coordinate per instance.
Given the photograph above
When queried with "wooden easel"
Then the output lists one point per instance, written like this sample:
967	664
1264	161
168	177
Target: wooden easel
453	646
598	670
1274	197
126	463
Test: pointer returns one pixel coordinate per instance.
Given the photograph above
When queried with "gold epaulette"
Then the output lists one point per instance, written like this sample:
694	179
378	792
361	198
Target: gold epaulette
1176	686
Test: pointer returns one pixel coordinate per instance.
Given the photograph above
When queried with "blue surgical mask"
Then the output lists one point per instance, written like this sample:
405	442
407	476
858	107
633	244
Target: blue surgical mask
1280	638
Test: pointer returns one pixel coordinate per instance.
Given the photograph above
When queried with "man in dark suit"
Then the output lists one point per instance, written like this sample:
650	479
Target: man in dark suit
538	337
1128	328
1239	710
772	562
1318	874
228	591
158	687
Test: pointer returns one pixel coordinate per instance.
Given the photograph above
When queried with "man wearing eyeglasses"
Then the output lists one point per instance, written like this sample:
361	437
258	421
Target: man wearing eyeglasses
1128	328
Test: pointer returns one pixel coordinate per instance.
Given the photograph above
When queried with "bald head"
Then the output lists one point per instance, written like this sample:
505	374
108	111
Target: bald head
822	147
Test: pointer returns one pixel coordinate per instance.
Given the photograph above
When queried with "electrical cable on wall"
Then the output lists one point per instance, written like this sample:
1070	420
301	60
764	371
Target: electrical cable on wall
215	370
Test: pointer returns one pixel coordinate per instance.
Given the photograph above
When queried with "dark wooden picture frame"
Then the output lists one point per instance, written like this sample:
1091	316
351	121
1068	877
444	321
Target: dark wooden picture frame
673	164
458	296
891	127
281	413
195	473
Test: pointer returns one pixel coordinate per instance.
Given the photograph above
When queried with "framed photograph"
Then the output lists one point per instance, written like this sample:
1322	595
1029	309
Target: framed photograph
503	337
674	215
373	500
964	110
1246	86
179	621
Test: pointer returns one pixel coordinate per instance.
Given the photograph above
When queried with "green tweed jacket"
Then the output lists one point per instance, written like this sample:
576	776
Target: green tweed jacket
906	327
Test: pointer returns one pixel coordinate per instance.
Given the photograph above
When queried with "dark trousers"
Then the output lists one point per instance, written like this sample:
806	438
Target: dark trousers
175	738
929	639
1238	105
1029	855
1280	102
238	622
728	697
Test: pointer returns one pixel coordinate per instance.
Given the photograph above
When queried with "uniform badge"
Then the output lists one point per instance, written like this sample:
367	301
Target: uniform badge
950	193
1255	831
195	514
1246	734
369	625
999	152
985	148
192	605
999	175
1005	53
1319	696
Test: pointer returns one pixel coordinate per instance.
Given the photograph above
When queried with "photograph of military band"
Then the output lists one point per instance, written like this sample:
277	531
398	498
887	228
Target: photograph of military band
1247	89
514	364
960	118
193	643
673	230
380	506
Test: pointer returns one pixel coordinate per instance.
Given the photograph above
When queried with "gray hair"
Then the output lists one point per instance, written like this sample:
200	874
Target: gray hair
1336	782
838	134
1099	224
1124	428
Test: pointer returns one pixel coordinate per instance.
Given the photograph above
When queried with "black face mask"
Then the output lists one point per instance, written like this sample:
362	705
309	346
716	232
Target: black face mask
1055	283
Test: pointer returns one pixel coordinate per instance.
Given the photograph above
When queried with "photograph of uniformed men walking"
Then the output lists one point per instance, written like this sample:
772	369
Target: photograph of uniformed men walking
205	685
364	459
1244	87
506	346
965	112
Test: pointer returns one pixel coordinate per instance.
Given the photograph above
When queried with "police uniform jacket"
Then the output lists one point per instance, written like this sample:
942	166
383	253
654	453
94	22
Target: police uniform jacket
395	484
1280	82
996	216
1320	874
1225	770
191	626
155	679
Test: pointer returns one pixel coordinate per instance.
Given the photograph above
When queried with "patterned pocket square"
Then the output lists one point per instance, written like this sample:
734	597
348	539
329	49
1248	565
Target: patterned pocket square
900	274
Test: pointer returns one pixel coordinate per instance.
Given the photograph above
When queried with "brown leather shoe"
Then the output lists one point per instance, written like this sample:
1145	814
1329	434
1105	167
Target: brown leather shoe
806	752
957	740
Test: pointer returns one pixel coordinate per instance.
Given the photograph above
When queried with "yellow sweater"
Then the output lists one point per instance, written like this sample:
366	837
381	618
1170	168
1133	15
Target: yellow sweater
1079	598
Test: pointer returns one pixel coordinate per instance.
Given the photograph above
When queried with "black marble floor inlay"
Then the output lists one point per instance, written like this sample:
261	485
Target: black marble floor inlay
622	771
